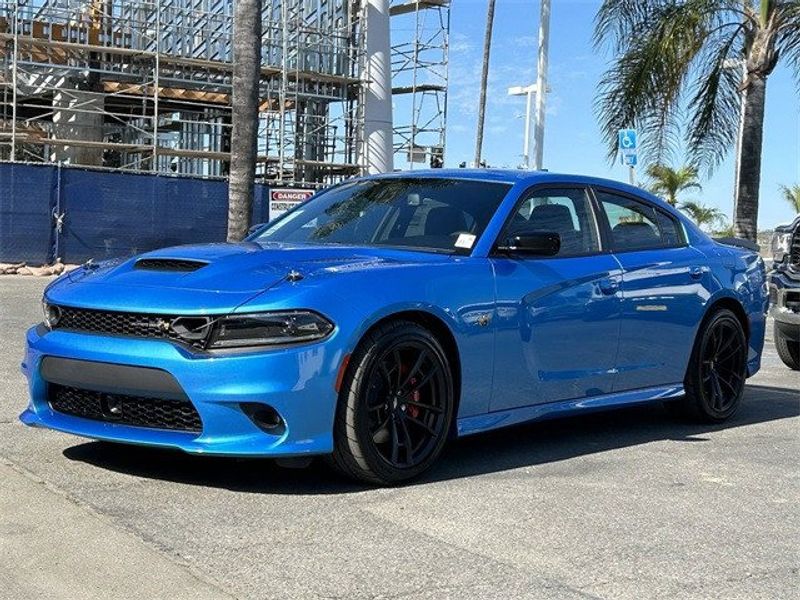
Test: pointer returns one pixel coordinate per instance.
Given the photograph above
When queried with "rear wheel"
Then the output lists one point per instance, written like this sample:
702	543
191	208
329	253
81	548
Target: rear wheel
788	350
717	370
395	405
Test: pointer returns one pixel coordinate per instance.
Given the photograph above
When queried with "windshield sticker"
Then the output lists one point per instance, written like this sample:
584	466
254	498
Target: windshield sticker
465	240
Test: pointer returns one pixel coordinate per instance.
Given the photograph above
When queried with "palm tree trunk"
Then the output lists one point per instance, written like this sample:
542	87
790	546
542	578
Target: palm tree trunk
746	217
244	109
487	47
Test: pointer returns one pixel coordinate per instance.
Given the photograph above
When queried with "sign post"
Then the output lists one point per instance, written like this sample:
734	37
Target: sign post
627	145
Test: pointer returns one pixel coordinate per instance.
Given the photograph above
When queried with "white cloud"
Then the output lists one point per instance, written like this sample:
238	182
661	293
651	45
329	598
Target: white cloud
526	41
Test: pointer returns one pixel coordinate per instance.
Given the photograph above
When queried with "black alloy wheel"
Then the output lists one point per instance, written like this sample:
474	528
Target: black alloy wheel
404	401
395	405
788	350
717	370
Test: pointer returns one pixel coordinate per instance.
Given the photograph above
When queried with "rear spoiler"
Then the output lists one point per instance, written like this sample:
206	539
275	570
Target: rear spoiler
739	243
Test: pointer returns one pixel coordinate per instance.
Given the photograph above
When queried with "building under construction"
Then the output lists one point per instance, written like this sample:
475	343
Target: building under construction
143	85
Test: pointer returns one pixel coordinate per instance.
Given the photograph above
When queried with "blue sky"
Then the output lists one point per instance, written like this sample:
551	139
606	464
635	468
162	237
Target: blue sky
572	139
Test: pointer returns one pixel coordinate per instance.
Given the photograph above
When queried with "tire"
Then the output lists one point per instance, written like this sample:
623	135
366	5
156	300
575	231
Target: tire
788	351
395	405
717	370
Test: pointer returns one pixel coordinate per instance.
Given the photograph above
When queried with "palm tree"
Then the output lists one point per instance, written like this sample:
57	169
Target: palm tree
706	60
726	231
792	196
668	182
244	109
704	216
487	47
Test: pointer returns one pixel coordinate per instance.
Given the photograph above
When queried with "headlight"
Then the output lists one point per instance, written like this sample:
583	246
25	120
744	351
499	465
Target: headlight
781	242
51	313
269	329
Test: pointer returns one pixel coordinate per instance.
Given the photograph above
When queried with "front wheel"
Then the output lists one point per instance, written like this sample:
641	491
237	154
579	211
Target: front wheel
717	370
395	405
788	350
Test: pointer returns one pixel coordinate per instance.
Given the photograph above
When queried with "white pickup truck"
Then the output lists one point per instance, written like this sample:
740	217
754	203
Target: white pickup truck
784	292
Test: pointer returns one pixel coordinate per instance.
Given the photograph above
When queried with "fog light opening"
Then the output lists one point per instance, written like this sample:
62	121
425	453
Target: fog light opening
265	417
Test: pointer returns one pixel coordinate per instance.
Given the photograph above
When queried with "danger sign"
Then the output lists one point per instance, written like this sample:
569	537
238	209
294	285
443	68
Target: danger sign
283	200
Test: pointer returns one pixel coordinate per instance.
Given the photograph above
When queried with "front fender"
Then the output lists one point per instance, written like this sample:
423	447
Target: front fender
457	292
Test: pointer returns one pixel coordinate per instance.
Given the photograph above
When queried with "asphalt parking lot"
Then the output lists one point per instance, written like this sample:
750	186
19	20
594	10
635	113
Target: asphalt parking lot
629	504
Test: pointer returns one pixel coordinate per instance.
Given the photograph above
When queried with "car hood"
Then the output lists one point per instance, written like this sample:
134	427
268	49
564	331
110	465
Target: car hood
223	276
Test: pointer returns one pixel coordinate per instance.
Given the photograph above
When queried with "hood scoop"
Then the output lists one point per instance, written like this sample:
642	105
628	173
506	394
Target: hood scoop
173	265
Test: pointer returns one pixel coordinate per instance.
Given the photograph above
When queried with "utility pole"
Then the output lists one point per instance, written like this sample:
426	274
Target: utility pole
528	91
487	46
541	83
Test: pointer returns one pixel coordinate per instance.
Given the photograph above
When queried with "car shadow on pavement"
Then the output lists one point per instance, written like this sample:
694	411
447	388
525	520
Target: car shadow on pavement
520	446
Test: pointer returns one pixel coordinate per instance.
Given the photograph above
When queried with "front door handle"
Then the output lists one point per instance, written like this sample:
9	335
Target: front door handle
696	272
609	286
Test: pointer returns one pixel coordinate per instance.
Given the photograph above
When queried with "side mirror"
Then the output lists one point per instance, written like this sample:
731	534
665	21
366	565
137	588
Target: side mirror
535	244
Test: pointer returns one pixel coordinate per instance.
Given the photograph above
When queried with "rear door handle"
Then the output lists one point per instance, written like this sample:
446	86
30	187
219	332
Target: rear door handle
609	286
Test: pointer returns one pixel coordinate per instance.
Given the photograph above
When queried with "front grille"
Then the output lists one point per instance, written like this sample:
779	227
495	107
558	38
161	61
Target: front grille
794	251
123	323
153	413
169	264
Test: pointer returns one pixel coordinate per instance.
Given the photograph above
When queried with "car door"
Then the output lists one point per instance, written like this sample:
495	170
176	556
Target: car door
557	319
663	290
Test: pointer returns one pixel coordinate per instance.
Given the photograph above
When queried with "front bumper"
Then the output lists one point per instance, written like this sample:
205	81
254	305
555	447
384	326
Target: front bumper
784	295
298	382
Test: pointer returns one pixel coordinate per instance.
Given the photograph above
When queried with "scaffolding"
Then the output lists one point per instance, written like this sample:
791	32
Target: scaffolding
420	46
145	85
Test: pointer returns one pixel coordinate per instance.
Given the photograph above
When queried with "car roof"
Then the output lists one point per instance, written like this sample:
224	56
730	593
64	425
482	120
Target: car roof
513	176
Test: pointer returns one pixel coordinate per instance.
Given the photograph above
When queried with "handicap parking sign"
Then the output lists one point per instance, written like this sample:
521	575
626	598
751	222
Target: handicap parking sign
627	147
627	139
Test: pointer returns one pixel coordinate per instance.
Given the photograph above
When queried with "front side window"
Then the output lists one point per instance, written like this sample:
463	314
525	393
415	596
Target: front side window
445	215
566	212
633	225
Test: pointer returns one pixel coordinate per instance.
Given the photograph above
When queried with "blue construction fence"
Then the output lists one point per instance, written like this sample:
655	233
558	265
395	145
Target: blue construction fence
50	211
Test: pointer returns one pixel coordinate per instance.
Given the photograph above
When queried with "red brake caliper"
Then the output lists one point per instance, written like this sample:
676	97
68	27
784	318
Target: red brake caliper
411	409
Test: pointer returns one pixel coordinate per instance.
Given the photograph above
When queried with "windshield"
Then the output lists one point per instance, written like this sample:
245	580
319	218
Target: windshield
419	213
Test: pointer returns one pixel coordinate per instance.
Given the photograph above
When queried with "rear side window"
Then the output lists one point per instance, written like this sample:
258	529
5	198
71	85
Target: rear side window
671	230
633	225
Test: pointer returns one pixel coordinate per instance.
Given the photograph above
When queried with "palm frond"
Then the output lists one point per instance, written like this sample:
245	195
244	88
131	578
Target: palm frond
668	182
620	20
792	196
716	103
642	88
704	216
663	53
788	42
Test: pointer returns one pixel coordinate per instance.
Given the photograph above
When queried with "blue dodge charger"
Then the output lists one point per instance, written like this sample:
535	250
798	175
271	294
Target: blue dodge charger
390	313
